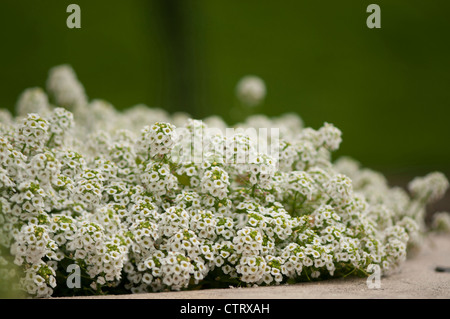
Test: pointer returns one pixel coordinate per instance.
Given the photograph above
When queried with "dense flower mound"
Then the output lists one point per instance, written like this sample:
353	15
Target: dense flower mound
114	194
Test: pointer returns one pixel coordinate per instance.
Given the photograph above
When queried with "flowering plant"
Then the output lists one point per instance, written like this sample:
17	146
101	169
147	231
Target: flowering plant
115	194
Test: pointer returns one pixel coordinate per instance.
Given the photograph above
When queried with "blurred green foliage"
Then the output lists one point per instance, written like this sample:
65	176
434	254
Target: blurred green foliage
387	89
9	276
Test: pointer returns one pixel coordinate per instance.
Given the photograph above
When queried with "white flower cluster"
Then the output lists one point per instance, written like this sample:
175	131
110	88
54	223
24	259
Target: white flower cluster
118	203
441	222
251	90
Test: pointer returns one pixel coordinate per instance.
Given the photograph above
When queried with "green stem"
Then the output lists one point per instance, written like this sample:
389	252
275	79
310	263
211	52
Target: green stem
50	139
350	272
253	190
306	273
294	204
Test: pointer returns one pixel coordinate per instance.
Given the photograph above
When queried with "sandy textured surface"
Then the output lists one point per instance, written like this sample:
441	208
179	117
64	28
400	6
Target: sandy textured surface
416	278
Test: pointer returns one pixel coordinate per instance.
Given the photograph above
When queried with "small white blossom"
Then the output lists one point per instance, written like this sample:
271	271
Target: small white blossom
251	90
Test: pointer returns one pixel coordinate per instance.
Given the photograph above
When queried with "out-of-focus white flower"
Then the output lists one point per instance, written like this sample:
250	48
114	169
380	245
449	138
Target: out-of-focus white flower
430	187
251	90
64	87
330	136
33	100
441	222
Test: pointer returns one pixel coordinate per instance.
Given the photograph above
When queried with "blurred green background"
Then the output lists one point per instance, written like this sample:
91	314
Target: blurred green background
387	89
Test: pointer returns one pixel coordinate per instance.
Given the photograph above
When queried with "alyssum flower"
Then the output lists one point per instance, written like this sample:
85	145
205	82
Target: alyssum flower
111	196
